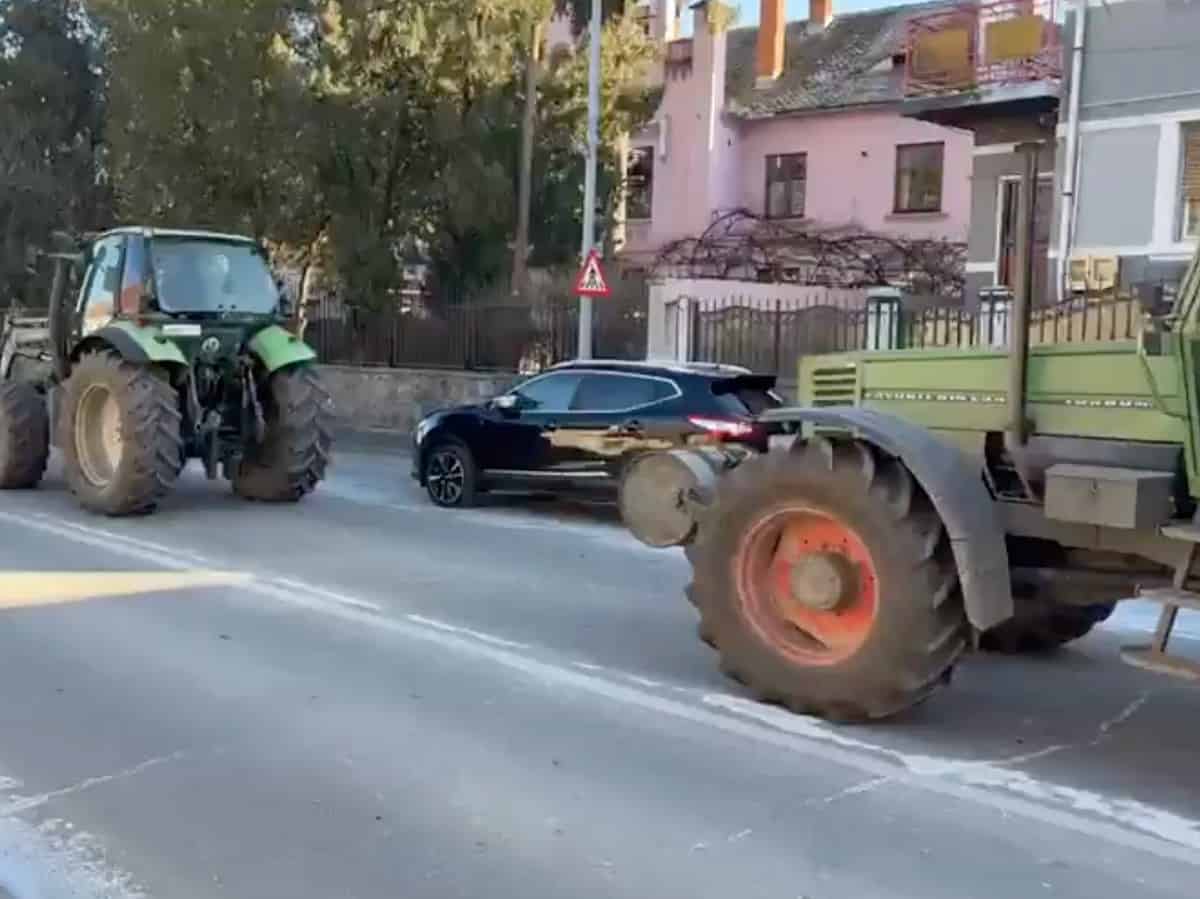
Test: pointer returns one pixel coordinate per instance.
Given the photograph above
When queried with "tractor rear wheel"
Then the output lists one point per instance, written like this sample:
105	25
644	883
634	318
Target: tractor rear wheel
825	581
120	435
24	436
292	458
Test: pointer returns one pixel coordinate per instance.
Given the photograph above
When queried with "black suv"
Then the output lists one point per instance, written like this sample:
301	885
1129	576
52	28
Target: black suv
575	426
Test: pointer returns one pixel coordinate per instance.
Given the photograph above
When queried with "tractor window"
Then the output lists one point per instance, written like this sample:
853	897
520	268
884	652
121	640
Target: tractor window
103	283
133	284
196	275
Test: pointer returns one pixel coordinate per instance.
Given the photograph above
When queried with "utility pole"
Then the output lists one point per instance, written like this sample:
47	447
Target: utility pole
589	181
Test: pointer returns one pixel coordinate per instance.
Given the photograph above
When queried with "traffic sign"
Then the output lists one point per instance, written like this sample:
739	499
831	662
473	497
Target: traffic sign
591	281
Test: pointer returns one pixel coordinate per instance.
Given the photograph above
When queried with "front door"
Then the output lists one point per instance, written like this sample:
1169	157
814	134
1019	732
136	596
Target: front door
98	300
519	440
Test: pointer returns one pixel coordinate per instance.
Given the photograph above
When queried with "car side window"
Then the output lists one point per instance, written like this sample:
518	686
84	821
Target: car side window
552	393
613	393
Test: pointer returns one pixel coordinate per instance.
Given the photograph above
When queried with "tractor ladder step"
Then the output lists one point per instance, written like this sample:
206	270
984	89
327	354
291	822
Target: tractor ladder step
1154	657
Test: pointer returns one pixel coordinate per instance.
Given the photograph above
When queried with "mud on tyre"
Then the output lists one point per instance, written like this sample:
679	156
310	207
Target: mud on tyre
24	435
825	581
293	456
120	433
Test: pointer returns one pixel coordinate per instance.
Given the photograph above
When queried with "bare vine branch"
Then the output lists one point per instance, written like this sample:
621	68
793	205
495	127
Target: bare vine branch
743	245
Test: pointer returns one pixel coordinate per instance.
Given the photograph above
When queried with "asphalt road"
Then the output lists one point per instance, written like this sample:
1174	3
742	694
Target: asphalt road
363	696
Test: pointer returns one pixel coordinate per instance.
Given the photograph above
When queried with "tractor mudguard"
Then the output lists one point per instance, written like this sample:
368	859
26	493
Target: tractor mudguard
134	344
275	348
956	489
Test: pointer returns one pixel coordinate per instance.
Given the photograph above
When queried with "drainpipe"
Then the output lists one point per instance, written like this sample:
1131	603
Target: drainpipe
1066	220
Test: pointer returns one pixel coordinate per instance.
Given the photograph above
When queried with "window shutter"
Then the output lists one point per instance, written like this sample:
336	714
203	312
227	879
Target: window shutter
1191	161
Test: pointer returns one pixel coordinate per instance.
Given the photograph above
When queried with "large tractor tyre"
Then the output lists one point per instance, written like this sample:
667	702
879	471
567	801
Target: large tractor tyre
295	452
825	581
120	434
1041	625
24	436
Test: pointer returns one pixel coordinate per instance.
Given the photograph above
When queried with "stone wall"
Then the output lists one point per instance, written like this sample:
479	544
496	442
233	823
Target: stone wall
397	398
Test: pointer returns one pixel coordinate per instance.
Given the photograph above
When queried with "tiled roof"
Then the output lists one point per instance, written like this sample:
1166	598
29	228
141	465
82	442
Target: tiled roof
847	63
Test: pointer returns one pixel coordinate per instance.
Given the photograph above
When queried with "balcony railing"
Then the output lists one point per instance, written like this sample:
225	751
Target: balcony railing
981	45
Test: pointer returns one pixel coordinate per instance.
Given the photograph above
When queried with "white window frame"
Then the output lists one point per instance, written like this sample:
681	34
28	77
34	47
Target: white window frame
1183	211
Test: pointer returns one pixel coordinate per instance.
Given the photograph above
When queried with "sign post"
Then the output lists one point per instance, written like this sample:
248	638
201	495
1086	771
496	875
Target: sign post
589	180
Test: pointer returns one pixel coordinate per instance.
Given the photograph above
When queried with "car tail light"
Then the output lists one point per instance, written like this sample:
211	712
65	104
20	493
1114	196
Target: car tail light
725	428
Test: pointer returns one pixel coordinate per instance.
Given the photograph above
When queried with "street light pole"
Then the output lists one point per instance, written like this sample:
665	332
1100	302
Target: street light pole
589	181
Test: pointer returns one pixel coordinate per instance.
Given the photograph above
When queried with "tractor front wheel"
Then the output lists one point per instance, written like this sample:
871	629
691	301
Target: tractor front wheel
825	581
292	458
120	435
24	436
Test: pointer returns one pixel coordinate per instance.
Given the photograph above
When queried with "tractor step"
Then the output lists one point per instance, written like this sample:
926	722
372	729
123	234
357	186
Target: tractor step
1187	531
1170	596
1154	657
1160	662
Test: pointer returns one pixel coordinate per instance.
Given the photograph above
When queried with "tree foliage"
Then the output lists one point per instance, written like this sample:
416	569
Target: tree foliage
51	107
357	131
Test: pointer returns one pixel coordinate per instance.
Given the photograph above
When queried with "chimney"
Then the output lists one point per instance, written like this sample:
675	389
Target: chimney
772	20
666	21
820	13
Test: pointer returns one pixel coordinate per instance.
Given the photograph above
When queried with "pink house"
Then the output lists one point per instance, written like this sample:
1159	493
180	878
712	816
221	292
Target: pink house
792	120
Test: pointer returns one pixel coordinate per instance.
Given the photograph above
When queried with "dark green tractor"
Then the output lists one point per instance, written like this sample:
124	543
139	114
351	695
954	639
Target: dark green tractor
174	348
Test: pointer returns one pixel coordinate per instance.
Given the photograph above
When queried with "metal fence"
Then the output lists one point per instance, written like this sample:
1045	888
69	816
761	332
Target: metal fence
476	337
771	337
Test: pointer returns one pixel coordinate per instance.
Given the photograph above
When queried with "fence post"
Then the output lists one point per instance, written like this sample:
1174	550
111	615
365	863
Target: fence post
778	335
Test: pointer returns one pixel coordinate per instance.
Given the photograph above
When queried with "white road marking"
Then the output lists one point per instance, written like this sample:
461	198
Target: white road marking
1124	822
19	804
447	628
508	518
331	595
993	774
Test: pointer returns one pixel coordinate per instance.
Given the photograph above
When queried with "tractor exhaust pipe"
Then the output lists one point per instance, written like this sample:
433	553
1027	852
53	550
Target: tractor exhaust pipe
1023	295
58	319
1018	334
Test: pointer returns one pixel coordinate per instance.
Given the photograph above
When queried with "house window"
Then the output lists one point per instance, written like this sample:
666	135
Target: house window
1189	188
786	177
640	178
919	177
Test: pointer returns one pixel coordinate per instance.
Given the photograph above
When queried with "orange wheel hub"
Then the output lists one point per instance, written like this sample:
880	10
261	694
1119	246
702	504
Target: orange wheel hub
807	585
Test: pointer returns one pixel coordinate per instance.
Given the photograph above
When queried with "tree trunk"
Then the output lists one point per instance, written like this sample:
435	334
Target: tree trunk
528	125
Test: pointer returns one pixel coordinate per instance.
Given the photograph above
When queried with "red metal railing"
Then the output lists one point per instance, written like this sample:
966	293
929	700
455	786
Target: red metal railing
978	45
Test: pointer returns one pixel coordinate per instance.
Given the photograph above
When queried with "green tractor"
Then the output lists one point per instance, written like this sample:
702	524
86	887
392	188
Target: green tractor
920	503
175	348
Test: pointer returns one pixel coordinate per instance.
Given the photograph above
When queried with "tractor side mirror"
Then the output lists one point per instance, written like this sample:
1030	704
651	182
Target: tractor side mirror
287	306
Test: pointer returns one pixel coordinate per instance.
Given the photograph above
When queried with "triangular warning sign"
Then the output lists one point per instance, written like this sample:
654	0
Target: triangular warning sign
591	282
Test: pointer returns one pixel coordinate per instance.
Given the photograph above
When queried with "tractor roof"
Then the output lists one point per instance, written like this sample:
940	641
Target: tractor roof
147	231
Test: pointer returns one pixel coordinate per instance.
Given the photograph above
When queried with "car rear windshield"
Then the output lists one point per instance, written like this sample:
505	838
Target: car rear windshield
747	395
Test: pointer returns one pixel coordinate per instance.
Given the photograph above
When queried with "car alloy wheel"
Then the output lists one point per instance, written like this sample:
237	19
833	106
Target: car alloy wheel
445	477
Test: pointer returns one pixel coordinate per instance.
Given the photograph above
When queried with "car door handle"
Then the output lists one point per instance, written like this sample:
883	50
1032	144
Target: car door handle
629	428
550	426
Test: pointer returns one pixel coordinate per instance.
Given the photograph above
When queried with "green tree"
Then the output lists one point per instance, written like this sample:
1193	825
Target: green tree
51	107
210	119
